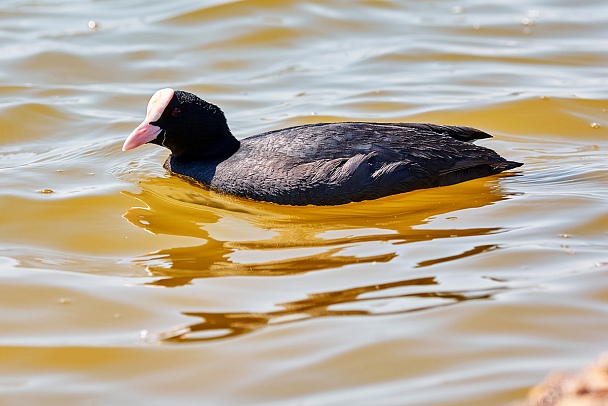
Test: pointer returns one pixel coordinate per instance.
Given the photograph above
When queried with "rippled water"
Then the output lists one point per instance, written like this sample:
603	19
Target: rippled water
121	283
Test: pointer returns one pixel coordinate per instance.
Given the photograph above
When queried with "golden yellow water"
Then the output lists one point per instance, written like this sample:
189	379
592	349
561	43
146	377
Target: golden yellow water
123	284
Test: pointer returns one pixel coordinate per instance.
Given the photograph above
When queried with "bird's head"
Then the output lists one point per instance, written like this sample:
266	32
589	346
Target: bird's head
184	123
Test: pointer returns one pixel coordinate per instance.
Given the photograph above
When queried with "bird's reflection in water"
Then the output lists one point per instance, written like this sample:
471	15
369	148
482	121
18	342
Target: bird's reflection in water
382	299
241	237
246	238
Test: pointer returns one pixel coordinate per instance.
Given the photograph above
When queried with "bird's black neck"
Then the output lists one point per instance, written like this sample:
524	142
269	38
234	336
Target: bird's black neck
224	149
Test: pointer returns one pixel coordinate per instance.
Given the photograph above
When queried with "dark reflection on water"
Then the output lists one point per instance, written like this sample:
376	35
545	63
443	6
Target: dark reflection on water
205	265
361	301
244	238
474	251
283	240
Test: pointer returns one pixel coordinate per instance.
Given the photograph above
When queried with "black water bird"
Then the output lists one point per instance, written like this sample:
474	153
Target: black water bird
316	164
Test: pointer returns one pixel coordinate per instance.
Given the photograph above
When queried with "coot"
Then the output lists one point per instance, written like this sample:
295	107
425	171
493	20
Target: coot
317	164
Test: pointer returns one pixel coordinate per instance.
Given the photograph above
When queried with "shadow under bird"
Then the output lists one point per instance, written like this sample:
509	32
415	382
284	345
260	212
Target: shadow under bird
316	164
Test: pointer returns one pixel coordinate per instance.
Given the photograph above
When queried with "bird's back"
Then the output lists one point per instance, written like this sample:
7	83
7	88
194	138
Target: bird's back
338	163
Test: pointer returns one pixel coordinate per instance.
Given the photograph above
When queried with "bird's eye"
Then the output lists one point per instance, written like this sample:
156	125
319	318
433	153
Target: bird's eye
176	112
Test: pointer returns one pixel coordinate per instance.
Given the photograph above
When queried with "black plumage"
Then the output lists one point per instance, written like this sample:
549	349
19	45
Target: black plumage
318	164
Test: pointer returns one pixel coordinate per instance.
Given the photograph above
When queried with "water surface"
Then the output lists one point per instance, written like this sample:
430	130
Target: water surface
121	283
